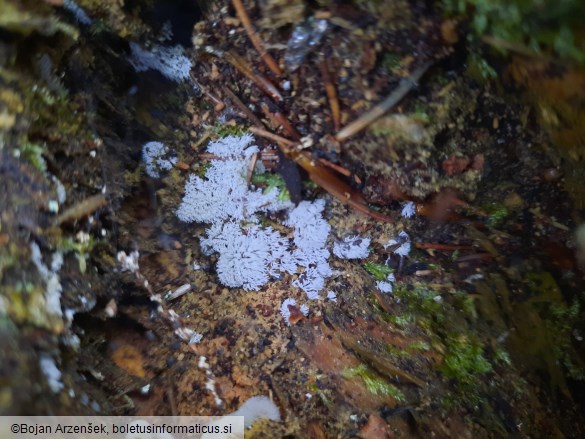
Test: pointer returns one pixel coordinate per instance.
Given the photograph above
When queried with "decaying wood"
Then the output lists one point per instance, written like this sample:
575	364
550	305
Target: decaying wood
373	359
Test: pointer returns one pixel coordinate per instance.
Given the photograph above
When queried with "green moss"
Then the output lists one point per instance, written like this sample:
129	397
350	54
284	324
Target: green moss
478	68
33	153
23	21
502	356
410	350
98	27
528	26
421	114
374	383
310	185
403	320
497	213
270	182
560	322
379	271
423	301
314	388
202	170
223	130
397	352
391	61
466	304
26	303
82	246
419	346
464	362
55	115
8	258
543	287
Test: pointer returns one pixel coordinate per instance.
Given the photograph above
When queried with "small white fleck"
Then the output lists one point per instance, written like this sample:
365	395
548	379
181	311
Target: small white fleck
82	237
111	308
51	372
408	209
202	364
69	314
128	262
59	189
178	292
145	389
385	287
53	206
284	311
195	338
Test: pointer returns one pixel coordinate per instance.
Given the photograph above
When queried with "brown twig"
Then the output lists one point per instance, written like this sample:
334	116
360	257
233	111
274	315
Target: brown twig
274	137
331	94
322	175
251	167
171	399
278	120
326	179
286	126
202	140
475	257
255	39
82	209
269	155
218	104
337	168
378	110
242	107
243	67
